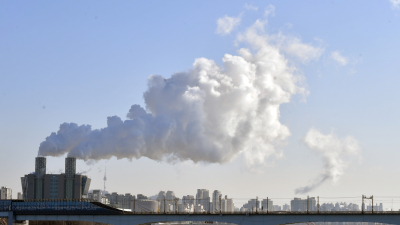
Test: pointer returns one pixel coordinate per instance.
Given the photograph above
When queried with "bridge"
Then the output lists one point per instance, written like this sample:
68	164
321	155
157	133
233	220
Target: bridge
84	210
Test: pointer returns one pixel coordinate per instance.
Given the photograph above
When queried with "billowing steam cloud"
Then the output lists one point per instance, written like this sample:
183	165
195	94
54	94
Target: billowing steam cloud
333	151
207	114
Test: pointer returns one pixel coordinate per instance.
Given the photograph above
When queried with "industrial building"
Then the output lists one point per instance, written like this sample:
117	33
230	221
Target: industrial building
68	185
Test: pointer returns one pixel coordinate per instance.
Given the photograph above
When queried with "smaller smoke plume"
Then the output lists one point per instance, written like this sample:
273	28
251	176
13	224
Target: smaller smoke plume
85	171
333	151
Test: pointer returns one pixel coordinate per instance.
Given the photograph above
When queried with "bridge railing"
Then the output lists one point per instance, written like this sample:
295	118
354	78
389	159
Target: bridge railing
352	204
55	206
305	205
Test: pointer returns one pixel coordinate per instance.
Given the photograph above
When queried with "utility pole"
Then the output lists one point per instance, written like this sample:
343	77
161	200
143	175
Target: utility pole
362	205
209	206
318	204
134	204
220	204
372	198
176	205
123	205
372	204
164	205
307	204
267	205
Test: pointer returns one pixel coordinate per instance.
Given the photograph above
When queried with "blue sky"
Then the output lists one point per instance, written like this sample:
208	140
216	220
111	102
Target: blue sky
83	61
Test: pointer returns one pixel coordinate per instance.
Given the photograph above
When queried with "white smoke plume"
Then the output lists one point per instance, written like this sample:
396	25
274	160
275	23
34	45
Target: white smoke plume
333	151
84	171
208	114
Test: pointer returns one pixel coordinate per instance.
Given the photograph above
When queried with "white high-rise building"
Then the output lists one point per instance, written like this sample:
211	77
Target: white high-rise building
202	198
298	204
6	193
96	195
227	204
188	199
216	201
128	201
267	204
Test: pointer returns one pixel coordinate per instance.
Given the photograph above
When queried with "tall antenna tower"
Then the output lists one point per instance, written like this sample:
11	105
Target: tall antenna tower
105	178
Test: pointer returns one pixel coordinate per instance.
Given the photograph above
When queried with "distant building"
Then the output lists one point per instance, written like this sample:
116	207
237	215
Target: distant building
298	204
267	204
286	207
227	204
339	207
252	205
277	208
141	197
376	207
128	201
188	199
6	193
161	198
40	185
203	198
19	195
96	195
216	196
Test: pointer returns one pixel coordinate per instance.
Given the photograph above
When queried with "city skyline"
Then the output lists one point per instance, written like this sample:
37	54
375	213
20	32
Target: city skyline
321	119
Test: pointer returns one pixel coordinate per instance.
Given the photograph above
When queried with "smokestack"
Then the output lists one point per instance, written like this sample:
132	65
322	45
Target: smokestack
70	167
40	166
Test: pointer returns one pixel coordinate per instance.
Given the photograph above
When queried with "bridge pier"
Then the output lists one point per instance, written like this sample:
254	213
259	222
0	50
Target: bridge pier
11	218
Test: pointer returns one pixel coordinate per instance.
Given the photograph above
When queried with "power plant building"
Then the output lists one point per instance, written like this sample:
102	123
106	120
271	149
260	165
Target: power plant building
40	185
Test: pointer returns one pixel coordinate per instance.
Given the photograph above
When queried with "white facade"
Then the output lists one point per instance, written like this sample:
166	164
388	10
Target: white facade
267	204
298	204
6	193
227	205
198	208
188	199
216	196
202	198
96	195
185	207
